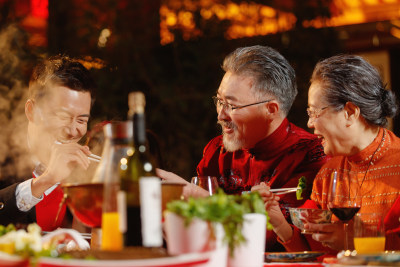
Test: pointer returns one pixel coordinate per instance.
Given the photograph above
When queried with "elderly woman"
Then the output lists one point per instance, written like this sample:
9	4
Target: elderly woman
348	110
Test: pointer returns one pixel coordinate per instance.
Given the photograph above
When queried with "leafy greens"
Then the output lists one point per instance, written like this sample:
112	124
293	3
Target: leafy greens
300	187
222	208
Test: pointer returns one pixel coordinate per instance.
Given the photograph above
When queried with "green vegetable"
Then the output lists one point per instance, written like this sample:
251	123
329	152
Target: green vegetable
300	187
5	229
222	208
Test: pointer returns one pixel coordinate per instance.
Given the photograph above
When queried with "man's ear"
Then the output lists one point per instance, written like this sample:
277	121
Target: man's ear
351	113
272	107
30	110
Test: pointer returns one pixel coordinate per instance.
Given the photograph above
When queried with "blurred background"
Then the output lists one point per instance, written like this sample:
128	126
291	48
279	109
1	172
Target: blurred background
172	50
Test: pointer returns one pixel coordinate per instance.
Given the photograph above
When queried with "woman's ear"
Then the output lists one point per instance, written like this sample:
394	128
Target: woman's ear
351	113
30	110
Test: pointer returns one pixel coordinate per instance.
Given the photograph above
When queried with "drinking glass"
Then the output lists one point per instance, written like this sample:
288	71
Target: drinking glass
369	233
209	183
344	198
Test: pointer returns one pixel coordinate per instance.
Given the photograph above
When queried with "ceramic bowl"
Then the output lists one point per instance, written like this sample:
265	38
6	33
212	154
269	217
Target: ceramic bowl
300	216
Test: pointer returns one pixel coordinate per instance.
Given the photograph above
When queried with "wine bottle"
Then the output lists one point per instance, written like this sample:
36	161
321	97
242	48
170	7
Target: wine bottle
140	189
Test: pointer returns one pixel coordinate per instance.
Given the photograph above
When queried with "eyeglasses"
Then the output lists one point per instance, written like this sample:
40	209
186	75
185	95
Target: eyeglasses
229	107
315	113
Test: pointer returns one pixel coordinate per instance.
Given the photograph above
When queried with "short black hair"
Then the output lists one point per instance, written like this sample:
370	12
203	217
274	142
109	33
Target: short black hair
60	70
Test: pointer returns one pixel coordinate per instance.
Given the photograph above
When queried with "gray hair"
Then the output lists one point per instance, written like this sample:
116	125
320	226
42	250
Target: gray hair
272	73
350	78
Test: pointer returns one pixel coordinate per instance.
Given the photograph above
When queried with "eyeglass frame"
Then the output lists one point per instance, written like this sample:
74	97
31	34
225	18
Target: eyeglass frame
314	114
232	107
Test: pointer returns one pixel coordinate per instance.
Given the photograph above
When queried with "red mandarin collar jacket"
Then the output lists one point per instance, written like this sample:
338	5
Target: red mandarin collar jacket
280	160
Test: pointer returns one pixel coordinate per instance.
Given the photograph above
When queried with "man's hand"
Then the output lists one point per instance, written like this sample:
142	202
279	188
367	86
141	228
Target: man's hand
63	159
190	190
170	177
276	218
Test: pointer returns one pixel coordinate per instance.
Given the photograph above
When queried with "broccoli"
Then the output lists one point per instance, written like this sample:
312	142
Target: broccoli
300	187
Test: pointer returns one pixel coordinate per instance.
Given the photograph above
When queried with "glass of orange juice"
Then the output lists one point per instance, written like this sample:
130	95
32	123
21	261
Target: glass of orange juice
369	233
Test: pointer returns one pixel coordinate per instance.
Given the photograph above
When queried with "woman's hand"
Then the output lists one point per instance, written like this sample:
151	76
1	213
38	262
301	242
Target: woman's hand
271	202
329	234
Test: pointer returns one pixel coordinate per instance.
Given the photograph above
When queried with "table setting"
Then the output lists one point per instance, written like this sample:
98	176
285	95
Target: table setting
214	230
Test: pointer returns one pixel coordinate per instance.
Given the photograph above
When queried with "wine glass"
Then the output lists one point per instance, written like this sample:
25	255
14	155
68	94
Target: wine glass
344	198
209	183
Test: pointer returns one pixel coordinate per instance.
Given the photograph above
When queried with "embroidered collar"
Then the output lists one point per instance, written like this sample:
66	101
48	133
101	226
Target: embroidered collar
274	142
380	145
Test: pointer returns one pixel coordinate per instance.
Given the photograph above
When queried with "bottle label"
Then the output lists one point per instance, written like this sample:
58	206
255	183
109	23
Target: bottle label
150	211
121	202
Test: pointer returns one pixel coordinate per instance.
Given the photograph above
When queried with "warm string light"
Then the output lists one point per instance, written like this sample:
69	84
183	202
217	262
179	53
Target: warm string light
251	19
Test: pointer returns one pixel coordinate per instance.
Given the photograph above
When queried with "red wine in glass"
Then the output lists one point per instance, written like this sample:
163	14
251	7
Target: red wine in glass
344	198
345	214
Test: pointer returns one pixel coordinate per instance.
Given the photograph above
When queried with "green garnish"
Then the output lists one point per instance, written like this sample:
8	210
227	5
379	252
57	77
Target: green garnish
5	229
222	208
300	187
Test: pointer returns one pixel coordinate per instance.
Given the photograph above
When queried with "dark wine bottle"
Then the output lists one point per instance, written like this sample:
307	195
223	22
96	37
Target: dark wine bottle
140	189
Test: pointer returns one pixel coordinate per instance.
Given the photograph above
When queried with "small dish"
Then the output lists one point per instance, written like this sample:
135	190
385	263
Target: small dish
293	256
300	216
383	258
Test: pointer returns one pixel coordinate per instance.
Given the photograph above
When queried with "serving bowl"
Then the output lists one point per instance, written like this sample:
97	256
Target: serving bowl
300	216
86	200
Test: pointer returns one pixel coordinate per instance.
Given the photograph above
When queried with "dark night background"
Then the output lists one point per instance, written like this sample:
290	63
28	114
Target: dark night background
178	78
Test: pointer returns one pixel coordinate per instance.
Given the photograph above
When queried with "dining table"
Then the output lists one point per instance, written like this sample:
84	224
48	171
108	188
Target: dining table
387	258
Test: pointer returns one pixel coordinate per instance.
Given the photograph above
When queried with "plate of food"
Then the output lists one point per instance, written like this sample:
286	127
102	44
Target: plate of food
383	258
184	260
7	260
293	256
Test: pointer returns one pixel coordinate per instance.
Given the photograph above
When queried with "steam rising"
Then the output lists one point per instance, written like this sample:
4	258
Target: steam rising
15	161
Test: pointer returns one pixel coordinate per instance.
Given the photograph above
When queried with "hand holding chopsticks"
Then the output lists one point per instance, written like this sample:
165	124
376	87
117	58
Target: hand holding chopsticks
92	157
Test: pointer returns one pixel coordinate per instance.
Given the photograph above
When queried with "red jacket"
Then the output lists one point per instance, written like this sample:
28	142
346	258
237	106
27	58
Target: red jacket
280	159
47	210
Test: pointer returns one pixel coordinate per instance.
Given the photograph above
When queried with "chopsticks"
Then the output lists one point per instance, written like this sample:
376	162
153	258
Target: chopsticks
280	191
92	157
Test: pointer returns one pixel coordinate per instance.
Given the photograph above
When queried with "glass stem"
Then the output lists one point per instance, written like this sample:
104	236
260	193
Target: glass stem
346	236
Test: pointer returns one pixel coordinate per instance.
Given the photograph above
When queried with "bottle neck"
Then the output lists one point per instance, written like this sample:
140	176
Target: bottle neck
139	129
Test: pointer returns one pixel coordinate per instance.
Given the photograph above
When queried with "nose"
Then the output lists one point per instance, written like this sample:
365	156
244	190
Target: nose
72	131
310	123
222	114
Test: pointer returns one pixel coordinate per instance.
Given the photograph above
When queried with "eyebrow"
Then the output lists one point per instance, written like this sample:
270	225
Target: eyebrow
69	113
229	97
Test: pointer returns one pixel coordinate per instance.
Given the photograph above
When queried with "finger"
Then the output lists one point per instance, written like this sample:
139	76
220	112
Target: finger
259	187
86	150
320	237
81	158
321	227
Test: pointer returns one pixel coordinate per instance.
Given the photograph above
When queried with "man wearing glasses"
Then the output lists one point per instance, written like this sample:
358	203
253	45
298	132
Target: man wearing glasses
258	144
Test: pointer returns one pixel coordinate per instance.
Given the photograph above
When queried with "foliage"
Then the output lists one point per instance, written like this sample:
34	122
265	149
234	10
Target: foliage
300	187
221	208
